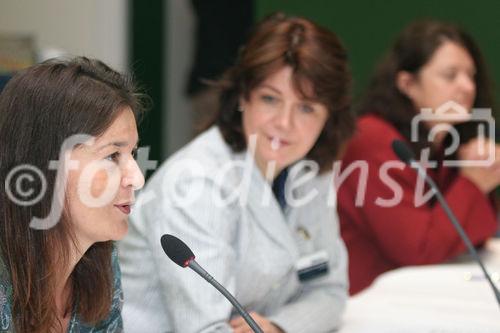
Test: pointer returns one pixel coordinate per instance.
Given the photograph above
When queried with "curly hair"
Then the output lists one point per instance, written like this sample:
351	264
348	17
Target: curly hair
317	59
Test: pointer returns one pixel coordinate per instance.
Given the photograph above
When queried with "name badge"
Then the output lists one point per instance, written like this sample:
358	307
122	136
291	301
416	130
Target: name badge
312	266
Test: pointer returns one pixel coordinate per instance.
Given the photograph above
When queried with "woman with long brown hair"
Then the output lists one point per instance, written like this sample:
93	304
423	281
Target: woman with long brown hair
432	66
250	195
67	138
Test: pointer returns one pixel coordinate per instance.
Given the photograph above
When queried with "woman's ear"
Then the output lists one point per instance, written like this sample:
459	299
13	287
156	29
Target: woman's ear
405	82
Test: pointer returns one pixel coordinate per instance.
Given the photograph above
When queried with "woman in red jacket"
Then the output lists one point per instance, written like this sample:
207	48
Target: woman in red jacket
387	221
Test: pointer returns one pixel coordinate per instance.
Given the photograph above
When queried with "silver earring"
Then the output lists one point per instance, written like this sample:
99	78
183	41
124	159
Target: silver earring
240	108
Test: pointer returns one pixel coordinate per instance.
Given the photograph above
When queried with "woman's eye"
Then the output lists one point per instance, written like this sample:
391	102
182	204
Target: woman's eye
113	157
306	108
269	99
450	75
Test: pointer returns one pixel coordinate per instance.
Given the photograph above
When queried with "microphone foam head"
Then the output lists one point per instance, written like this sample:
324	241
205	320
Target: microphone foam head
402	151
176	250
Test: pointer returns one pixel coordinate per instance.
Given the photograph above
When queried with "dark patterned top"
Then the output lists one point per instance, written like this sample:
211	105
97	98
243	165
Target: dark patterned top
112	324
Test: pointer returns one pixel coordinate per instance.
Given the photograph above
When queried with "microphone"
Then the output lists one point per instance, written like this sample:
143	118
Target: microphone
405	154
182	255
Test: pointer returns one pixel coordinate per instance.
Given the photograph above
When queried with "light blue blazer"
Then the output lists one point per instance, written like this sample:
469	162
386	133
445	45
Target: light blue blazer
218	203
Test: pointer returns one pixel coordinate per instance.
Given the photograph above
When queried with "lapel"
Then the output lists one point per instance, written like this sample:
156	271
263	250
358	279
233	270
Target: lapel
261	207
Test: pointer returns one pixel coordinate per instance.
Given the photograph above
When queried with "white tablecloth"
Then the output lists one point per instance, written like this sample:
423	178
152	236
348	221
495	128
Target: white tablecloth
453	297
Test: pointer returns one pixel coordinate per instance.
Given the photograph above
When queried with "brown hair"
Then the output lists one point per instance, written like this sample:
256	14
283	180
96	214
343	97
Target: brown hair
316	56
39	108
411	51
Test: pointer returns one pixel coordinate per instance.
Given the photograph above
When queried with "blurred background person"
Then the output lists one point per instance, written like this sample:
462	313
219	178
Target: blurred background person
221	27
430	64
65	278
289	91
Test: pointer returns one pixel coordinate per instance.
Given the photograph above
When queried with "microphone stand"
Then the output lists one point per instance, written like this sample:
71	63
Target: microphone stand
457	225
204	274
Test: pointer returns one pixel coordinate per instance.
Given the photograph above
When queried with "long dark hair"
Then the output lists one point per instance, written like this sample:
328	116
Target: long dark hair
316	56
40	107
410	52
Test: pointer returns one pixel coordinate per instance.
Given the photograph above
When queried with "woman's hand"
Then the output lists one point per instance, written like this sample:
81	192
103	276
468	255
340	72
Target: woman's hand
239	324
486	178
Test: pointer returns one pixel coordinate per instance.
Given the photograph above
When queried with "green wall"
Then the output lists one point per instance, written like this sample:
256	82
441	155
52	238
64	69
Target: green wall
367	28
147	61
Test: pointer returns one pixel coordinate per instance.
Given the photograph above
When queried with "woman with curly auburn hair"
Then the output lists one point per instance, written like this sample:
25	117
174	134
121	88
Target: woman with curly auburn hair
252	199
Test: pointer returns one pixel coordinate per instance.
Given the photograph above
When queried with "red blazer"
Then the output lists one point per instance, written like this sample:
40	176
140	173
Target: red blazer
379	239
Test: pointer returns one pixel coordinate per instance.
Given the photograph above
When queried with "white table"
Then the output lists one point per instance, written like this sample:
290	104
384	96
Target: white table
451	297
